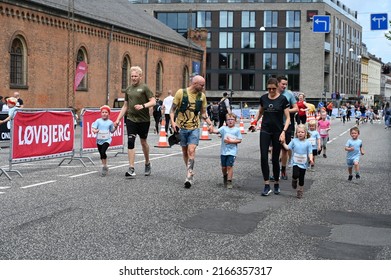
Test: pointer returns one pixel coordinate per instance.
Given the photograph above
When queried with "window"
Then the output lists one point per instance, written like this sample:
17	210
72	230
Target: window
294	82
125	72
159	78
178	21
185	77
270	19
209	40
248	40
247	61
292	18
18	69
248	82
225	60
82	56
292	40
270	40
225	40
208	61
248	19
292	61
204	19
269	61
226	19
225	81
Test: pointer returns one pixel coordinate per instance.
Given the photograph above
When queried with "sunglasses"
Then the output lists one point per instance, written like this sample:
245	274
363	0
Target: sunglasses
271	88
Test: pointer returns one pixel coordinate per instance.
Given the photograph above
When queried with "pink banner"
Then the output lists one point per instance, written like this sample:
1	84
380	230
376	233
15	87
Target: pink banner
81	70
89	138
42	134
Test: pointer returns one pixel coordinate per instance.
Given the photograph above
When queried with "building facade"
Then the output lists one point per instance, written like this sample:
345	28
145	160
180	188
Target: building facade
43	41
241	55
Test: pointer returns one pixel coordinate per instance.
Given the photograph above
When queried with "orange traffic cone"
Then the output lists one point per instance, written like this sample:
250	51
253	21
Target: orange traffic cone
205	133
163	136
241	126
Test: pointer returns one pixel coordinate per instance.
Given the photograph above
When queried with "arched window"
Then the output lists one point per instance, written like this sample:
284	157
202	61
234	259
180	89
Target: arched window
185	77
159	79
125	72
18	63
82	56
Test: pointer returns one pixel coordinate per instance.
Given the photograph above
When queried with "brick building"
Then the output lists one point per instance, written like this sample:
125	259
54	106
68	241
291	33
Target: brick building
43	41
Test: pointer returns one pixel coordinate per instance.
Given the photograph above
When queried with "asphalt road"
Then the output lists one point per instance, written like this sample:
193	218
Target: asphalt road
70	212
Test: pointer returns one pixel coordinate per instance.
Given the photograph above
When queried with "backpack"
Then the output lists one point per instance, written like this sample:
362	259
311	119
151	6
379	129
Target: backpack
223	107
185	103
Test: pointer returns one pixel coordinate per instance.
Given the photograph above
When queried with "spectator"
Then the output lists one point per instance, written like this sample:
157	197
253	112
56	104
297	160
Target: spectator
19	103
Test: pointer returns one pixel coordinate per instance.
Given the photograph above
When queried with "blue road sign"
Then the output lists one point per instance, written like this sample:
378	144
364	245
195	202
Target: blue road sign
320	105
379	22
321	24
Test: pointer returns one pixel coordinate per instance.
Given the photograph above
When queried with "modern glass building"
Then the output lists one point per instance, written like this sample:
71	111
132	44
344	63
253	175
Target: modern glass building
251	40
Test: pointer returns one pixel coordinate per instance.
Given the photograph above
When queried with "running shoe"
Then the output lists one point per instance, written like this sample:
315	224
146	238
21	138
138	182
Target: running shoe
130	173
266	191
358	176
276	189
105	169
147	171
188	182
350	177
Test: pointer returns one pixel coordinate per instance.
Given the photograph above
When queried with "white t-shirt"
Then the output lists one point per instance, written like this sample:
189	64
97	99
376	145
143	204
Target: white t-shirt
167	103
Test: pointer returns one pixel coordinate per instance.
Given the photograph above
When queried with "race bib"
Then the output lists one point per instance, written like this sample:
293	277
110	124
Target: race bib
300	158
312	141
103	135
323	131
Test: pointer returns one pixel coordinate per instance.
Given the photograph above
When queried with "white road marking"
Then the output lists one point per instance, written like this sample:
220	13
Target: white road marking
5	187
83	174
38	184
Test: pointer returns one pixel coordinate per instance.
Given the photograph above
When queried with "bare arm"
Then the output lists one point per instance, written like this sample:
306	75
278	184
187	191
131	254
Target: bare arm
122	113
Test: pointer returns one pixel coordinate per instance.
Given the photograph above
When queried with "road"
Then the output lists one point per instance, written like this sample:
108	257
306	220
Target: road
69	212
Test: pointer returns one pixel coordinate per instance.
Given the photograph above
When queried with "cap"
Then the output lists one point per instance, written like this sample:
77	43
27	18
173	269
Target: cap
105	107
12	100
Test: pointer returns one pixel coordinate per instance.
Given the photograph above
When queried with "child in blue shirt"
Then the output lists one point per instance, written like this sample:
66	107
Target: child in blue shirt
102	127
230	138
354	149
301	152
314	140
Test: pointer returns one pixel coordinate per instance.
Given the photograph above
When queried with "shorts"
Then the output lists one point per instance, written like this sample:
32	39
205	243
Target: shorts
351	162
227	160
140	128
189	136
315	152
288	135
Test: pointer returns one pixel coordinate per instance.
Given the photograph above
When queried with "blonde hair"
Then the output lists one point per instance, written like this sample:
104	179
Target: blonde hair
312	122
304	127
232	115
136	69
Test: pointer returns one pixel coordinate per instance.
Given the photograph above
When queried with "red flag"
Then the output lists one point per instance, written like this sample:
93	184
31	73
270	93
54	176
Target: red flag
81	70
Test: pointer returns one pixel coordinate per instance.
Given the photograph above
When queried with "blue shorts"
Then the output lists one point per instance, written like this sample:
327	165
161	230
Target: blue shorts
227	160
189	136
351	162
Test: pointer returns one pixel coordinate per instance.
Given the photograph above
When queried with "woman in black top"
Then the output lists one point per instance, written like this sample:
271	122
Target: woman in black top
273	107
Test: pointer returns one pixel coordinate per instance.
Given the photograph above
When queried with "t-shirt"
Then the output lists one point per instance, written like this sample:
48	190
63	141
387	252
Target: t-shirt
187	119
167	103
136	95
273	114
355	154
322	128
233	133
292	101
300	152
315	136
300	105
105	127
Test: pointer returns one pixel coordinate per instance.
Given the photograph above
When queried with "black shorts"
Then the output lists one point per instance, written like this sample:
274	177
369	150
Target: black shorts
139	128
315	152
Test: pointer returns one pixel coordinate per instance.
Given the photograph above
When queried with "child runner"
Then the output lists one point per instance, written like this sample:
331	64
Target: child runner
323	128
102	127
11	103
314	140
354	149
230	138
357	115
301	152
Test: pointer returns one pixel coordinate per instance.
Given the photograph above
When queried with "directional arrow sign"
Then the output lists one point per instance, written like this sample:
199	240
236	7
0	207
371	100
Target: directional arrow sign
321	24
379	22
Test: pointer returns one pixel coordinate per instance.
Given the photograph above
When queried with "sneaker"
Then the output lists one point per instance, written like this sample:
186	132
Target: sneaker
284	176
350	177
147	171
105	169
229	184
324	155
266	191
276	189
358	176
294	183
188	182
130	173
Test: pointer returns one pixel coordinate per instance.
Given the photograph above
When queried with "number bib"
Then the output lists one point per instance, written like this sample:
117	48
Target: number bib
312	141
323	131
103	135
300	158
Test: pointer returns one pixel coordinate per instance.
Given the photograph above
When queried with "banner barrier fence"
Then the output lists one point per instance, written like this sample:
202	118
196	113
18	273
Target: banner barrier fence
39	134
88	138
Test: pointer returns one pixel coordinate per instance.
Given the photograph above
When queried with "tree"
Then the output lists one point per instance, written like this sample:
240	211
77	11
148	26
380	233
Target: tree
388	35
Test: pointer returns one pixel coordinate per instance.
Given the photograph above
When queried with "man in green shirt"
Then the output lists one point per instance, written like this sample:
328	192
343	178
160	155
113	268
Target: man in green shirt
138	99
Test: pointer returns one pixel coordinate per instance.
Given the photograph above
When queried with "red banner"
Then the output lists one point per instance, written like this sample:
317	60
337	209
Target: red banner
89	138
81	70
42	134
